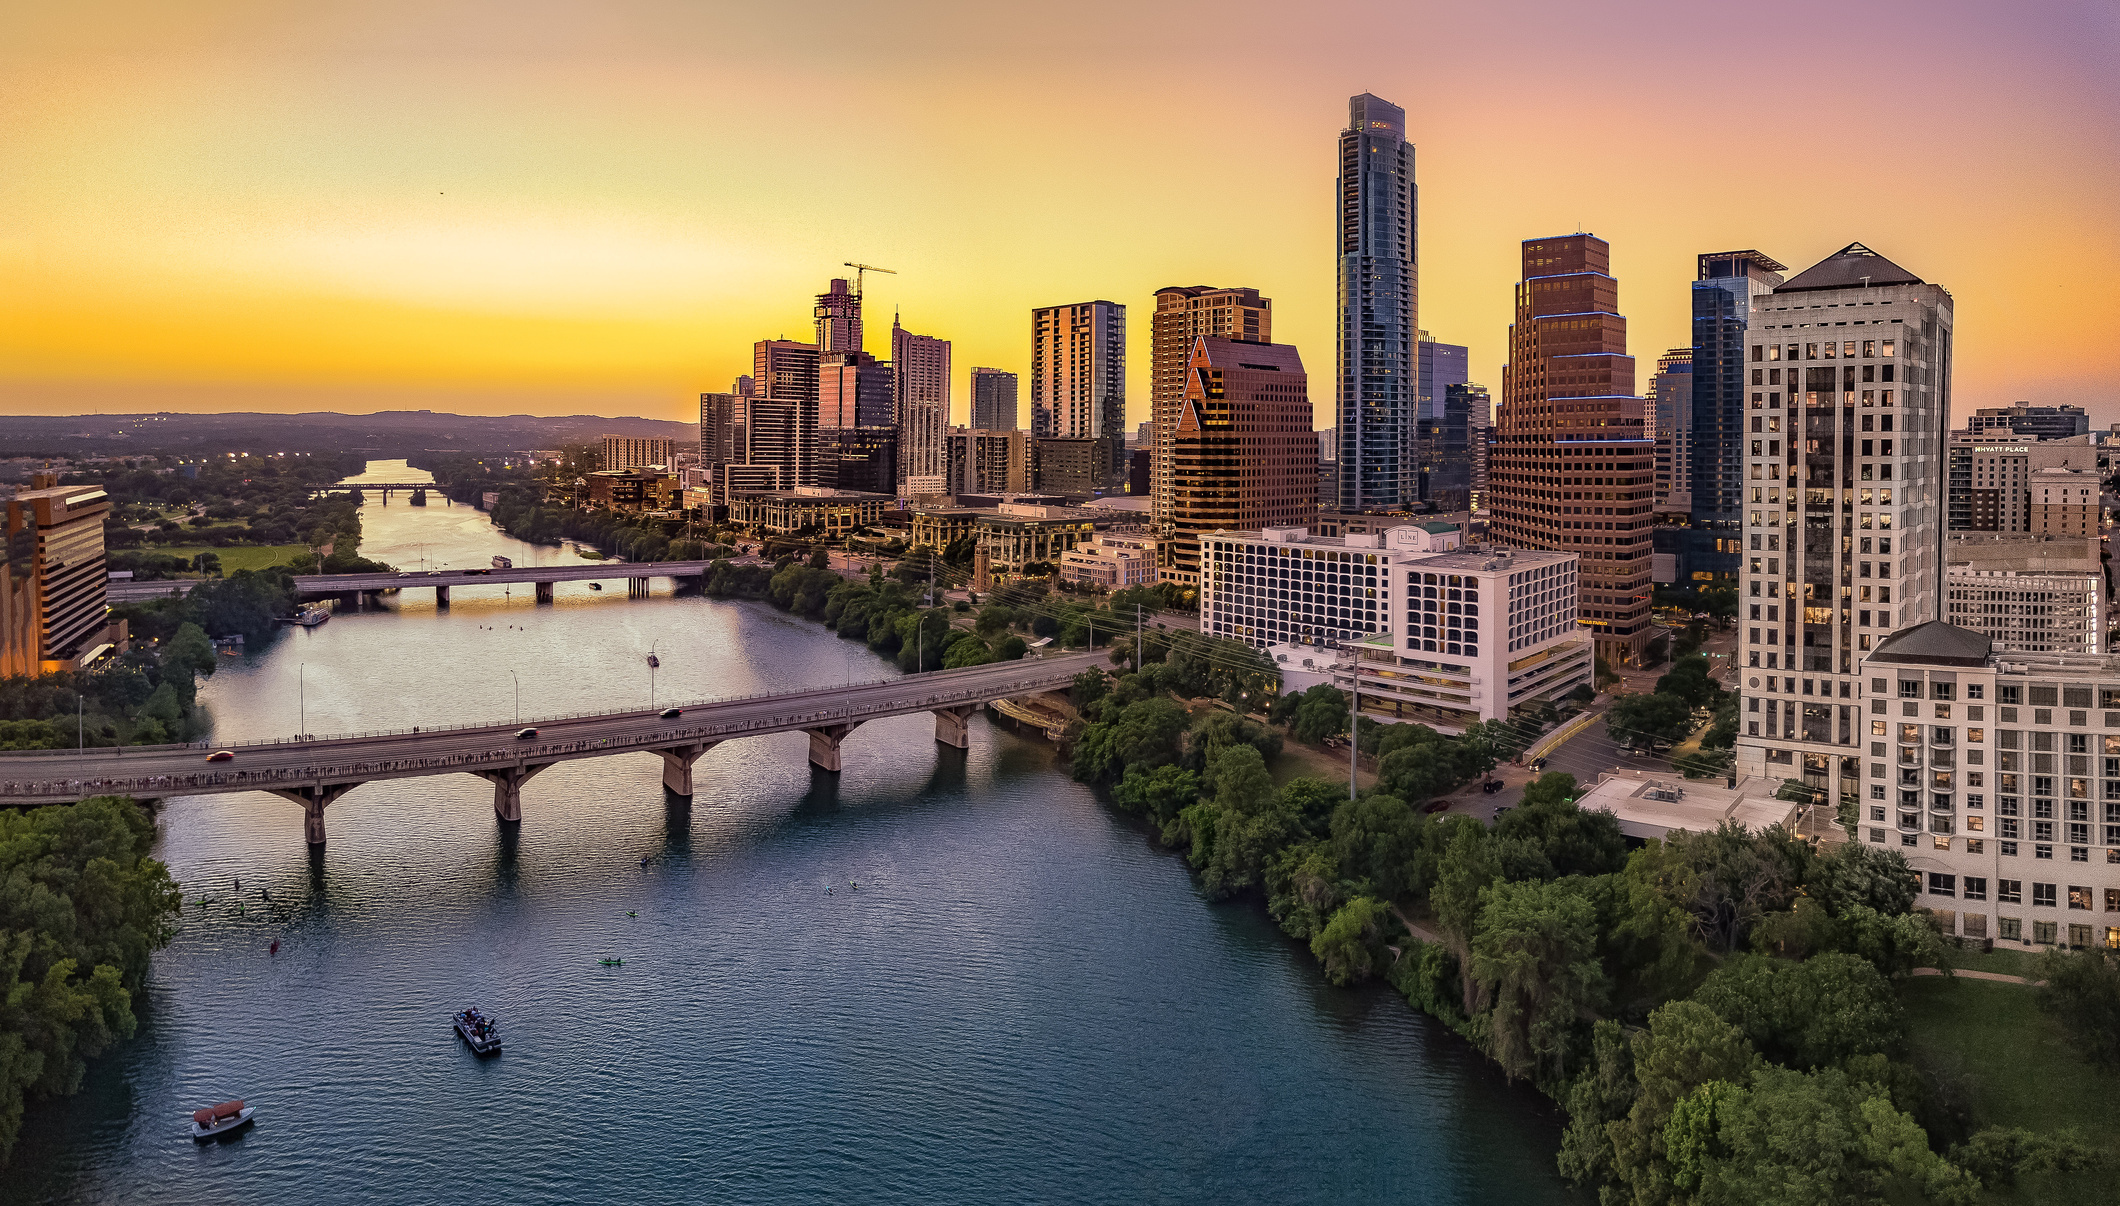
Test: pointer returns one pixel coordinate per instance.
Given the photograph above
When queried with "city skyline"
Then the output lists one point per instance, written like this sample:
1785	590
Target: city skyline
630	269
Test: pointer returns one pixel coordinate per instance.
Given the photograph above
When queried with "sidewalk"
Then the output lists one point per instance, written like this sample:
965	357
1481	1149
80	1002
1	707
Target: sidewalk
1999	977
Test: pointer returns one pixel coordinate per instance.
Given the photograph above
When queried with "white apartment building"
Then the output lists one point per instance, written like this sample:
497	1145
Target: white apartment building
1112	560
1444	635
1849	366
1998	776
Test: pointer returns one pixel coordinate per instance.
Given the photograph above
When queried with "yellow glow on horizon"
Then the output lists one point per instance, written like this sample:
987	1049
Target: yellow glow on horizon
557	208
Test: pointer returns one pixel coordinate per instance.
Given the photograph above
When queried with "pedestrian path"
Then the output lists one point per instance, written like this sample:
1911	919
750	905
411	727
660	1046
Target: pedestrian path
1999	977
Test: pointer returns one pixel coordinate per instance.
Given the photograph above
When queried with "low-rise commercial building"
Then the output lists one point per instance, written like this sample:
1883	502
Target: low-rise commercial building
2027	593
630	489
1112	560
1997	775
807	509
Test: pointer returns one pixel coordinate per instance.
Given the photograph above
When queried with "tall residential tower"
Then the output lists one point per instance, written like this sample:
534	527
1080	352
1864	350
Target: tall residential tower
1379	372
1078	379
920	387
1184	314
1726	284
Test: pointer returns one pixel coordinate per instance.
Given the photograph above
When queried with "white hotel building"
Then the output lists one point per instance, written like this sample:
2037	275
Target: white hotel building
1444	635
1850	369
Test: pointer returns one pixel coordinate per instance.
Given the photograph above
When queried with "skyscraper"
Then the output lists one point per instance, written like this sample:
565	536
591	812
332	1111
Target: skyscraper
1243	454
633	452
1726	284
1671	415
1442	366
838	319
1571	467
920	388
1850	380
1379	289
781	419
854	389
1185	313
1078	378
993	400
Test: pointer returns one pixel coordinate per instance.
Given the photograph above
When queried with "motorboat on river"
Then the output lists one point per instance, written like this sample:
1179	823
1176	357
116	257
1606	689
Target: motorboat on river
479	1031
212	1122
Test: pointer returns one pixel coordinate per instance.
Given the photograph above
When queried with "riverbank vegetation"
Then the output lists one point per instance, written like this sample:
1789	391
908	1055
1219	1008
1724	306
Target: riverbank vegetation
82	907
173	518
1685	1001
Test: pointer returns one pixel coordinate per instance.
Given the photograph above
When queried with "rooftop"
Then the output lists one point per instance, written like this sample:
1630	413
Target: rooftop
1649	804
1852	267
1935	643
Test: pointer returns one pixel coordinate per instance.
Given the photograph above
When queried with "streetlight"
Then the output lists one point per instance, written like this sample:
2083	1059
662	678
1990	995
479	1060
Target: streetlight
518	697
302	694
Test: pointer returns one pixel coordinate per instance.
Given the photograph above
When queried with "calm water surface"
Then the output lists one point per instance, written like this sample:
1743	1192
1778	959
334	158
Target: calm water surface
1024	1000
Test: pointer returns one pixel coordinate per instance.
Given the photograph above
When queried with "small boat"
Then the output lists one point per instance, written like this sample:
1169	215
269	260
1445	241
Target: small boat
478	1030
596	586
654	661
500	562
312	615
612	962
212	1122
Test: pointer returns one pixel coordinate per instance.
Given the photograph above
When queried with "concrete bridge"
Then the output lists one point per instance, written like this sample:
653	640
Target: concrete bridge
359	588
315	772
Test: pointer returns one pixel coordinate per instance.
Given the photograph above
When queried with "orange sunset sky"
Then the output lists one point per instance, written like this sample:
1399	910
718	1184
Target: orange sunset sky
562	208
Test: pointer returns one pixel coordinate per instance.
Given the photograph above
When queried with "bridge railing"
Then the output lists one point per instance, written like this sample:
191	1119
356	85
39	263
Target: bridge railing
1032	682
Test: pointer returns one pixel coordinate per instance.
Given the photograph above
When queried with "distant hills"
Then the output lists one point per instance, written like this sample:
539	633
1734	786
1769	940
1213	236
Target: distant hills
384	435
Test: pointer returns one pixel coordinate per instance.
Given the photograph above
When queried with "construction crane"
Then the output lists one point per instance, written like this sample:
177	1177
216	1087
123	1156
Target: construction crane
861	268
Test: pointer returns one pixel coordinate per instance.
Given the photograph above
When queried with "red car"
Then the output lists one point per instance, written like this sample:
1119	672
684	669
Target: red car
221	756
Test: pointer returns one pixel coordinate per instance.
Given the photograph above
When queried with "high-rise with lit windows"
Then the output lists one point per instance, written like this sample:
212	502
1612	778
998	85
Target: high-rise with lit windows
1571	467
1848	369
1185	313
1379	310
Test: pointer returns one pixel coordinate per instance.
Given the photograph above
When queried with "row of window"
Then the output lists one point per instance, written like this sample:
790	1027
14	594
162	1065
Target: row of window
1845	349
2011	891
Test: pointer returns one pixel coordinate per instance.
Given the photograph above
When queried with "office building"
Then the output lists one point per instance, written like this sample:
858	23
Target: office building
1112	560
2027	593
1442	365
1444	442
993	400
634	452
1375	211
1709	549
1242	451
854	389
1999	482
1844	520
2026	420
781	426
988	462
1671	415
1570	468
53	615
1444	635
834	513
920	383
721	442
1069	467
838	320
1998	777
863	459
1078	378
1480	441
1185	313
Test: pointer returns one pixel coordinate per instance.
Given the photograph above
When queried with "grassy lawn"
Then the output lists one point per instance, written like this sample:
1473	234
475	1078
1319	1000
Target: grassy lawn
238	557
2018	1069
2009	962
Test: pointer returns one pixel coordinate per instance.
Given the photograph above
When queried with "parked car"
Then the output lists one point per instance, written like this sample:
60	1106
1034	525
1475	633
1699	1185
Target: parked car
1436	806
1491	786
221	756
525	733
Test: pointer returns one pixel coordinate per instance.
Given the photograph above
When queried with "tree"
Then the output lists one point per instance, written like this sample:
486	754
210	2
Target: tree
1161	793
1236	837
1468	865
1303	887
1378	838
1568	840
1219	731
1637	719
1534	954
1684	1047
1726	877
1319	713
2082	992
1143	734
1348	945
190	651
1789	1138
1817	1013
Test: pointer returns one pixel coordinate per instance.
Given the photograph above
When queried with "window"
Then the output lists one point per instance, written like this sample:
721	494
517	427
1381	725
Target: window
2079	897
1976	887
2009	929
1941	884
2044	931
2009	891
2044	896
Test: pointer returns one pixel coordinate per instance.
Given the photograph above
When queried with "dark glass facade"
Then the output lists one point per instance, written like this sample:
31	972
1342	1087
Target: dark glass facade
1722	304
1379	373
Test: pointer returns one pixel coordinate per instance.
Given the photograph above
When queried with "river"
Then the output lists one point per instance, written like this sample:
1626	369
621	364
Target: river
1023	1000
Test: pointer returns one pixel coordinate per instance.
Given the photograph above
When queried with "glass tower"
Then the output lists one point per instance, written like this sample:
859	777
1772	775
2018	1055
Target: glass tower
1379	379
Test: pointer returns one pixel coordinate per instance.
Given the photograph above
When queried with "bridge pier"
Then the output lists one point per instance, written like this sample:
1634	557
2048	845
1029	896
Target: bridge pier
508	789
313	801
677	766
636	588
824	744
544	592
953	726
441	598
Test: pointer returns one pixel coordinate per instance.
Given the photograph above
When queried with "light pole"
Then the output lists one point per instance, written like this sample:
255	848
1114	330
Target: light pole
1354	716
302	694
518	697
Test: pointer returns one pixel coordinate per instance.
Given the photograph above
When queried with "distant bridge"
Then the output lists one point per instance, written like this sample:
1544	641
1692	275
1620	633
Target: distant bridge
385	487
359	587
315	772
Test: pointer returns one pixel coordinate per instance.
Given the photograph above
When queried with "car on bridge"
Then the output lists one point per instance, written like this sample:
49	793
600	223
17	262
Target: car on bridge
525	734
671	713
221	756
